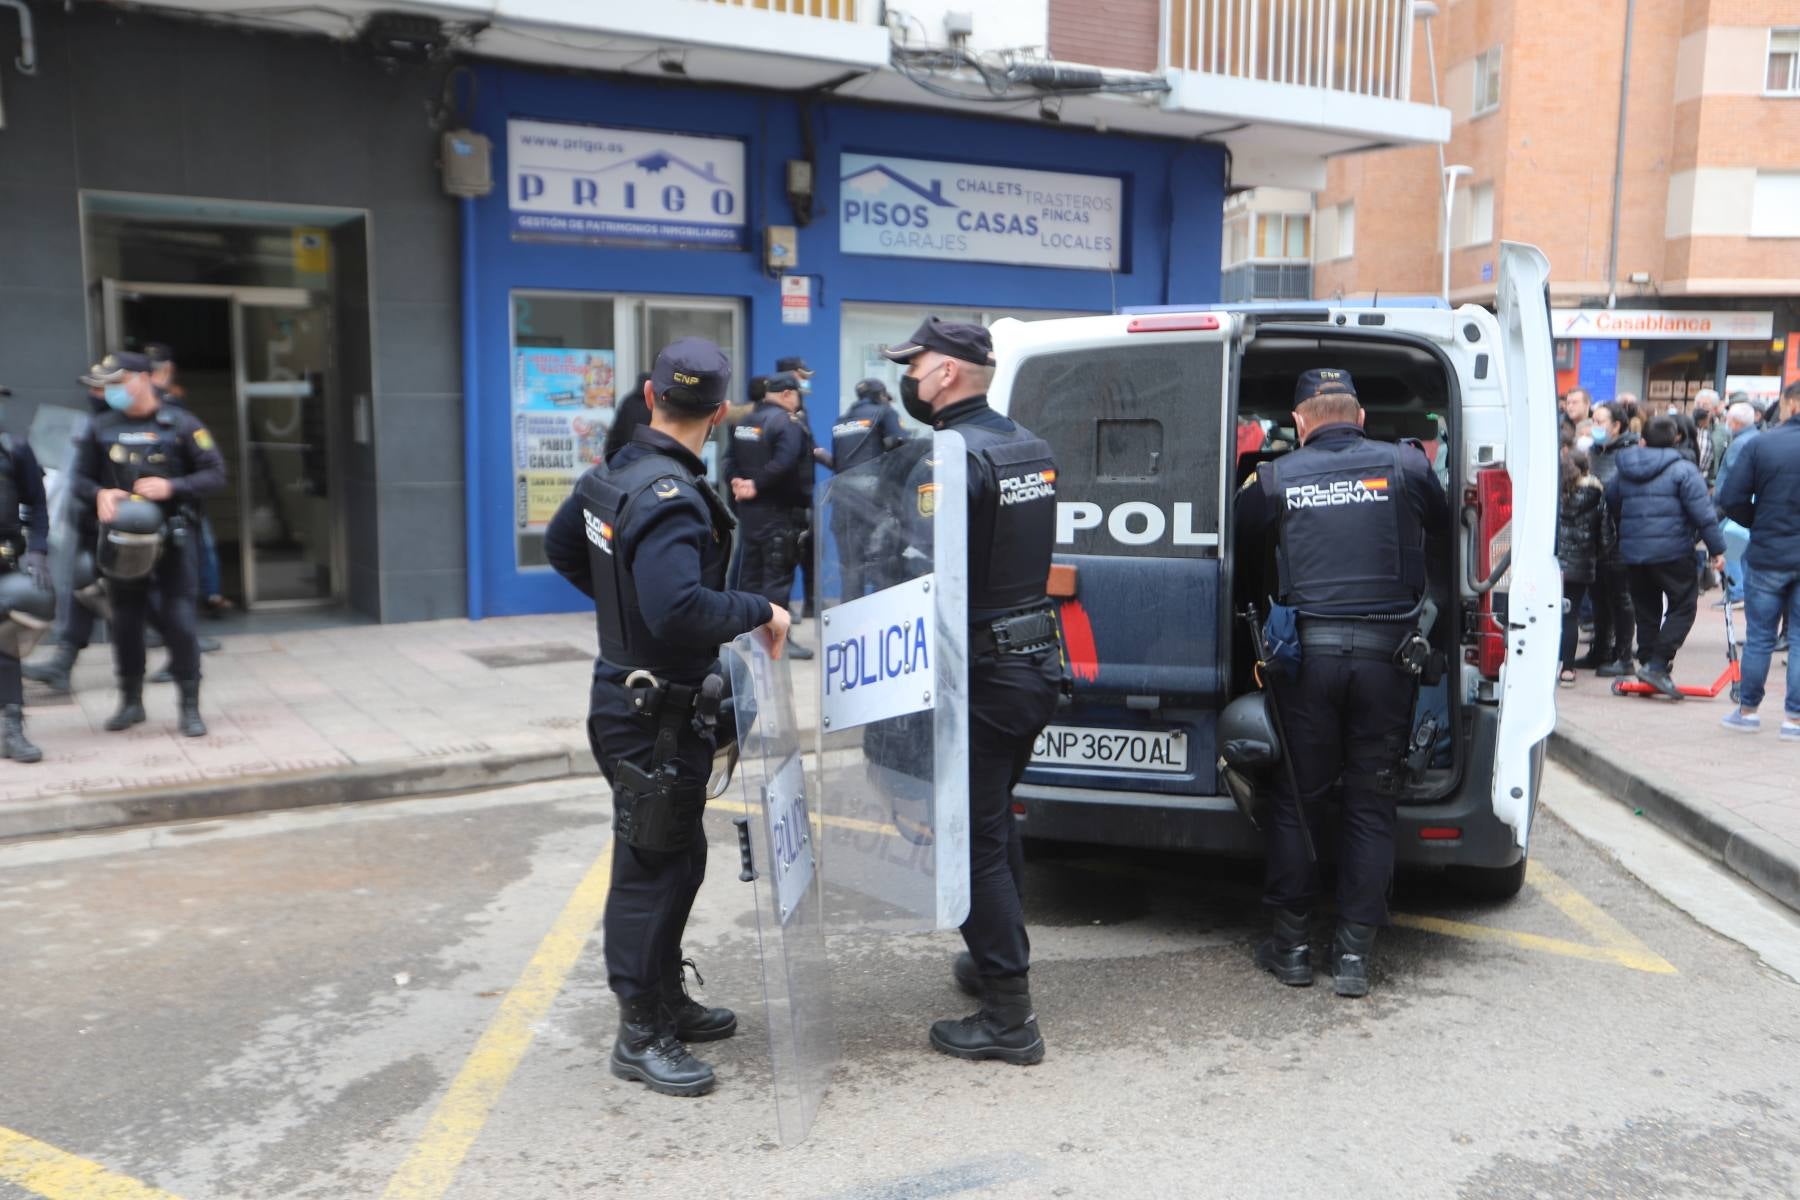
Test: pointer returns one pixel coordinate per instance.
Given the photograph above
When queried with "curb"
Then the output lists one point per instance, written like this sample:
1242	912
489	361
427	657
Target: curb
1715	831
301	789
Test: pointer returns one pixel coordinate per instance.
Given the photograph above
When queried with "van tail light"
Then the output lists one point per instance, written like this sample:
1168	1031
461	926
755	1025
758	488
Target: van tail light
1493	538
1173	323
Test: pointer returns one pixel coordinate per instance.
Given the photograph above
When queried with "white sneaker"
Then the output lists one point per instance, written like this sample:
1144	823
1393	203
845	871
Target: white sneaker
1742	722
1790	731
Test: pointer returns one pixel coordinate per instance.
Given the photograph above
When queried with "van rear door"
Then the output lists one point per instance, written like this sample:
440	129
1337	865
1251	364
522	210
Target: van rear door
1533	590
1135	409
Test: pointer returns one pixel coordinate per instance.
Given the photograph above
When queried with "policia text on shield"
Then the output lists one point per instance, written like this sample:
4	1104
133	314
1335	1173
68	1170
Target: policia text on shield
1348	518
646	538
143	466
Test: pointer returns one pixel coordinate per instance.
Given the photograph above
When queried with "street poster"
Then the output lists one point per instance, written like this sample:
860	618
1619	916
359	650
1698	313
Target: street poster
562	408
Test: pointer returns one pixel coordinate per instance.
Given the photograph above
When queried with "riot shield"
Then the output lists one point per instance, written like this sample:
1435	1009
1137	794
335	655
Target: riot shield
779	842
893	699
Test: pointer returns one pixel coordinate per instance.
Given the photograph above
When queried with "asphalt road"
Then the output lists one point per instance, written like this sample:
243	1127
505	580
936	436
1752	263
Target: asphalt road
337	1003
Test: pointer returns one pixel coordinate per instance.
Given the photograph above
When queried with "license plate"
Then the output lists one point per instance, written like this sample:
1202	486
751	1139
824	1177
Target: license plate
1114	749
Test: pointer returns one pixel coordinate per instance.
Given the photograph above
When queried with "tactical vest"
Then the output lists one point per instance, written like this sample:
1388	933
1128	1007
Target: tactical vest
856	438
607	495
1351	544
134	448
12	526
1012	532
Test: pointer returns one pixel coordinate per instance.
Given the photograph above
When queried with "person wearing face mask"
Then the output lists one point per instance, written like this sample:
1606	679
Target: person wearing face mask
24	552
1015	668
1609	656
75	626
811	456
140	450
767	463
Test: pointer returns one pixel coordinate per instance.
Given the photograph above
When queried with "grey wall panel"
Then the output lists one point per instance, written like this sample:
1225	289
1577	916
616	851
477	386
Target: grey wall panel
421	526
426	595
418	345
421	437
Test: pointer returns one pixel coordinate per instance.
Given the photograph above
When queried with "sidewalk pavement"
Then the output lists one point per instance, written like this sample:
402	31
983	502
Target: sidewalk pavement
1731	795
320	716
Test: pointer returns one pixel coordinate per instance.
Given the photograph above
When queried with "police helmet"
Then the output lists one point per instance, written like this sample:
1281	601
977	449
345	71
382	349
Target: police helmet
1246	735
83	572
20	594
131	541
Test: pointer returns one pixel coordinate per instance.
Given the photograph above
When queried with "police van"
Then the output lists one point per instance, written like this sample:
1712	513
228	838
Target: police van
1157	418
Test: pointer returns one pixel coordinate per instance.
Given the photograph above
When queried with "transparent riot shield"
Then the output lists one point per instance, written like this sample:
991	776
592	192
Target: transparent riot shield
893	693
779	842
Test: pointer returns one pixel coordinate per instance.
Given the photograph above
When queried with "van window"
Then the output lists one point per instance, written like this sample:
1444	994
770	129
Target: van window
1136	431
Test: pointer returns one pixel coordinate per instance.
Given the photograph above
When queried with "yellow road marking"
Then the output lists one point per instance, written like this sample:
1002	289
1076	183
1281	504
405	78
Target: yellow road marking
41	1168
453	1128
1612	943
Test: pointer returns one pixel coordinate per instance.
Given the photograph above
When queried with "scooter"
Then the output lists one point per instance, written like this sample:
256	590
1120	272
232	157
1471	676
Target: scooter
1728	678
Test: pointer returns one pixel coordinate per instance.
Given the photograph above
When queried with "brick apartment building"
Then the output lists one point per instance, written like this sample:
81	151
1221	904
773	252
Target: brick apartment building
1707	267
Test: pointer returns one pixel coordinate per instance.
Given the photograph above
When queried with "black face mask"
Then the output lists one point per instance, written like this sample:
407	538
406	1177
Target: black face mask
916	408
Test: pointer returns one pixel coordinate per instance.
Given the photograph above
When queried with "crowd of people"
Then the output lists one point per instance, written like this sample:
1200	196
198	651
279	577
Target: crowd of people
1658	507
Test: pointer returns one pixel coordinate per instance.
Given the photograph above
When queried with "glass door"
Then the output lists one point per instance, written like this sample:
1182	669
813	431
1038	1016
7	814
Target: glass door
284	377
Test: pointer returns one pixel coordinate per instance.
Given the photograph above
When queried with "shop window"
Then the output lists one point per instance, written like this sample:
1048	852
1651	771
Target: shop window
1784	62
574	356
1487	83
1775	206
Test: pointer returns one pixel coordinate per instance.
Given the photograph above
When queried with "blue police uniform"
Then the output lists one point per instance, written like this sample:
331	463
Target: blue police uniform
118	451
1349	517
867	429
771	449
1015	678
24	544
647	539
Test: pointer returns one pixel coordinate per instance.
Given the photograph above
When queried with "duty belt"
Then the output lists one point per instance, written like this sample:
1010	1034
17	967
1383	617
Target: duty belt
673	705
1350	639
1024	632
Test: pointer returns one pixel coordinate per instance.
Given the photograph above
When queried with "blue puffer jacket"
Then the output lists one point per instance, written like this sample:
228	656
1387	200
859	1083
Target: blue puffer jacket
1659	500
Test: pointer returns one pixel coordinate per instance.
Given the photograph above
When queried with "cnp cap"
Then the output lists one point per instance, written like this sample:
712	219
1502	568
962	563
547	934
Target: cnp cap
970	343
698	368
794	365
782	381
115	367
158	353
1323	381
871	389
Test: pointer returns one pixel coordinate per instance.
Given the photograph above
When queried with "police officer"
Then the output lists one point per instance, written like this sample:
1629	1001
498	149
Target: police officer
646	537
867	429
75	627
1349	517
767	461
141	448
24	553
1015	671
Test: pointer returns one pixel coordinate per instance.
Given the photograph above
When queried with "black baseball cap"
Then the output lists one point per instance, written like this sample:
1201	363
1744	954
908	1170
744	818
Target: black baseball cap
158	353
782	381
115	367
794	365
1323	381
970	343
870	389
691	375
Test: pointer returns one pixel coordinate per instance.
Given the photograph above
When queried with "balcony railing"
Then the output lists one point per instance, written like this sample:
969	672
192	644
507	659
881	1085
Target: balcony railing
830	10
1362	47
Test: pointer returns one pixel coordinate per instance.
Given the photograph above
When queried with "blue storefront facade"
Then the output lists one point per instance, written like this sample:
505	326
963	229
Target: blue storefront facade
625	213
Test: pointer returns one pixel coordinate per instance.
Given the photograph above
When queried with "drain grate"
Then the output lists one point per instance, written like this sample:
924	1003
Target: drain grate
532	655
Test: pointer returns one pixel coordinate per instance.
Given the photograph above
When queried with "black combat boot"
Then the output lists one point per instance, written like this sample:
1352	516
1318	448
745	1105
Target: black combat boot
1004	1028
17	746
190	724
53	674
694	1021
647	1052
968	979
131	705
1350	958
1285	953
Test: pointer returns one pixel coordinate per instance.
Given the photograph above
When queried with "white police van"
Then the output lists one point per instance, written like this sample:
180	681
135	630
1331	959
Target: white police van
1157	418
